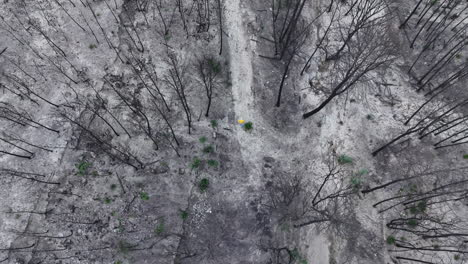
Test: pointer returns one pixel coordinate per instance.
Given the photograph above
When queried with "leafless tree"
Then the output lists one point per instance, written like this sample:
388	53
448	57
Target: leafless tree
20	117
321	199
220	18
177	80
203	10
369	50
166	22
365	15
402	25
120	153
209	72
285	18
422	211
135	106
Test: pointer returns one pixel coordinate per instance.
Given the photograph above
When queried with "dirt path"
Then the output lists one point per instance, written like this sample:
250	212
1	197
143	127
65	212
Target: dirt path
240	53
264	140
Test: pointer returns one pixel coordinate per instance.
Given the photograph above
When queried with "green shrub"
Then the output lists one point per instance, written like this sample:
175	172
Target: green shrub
92	46
391	240
413	188
121	226
420	207
343	159
202	139
214	123
356	182
113	187
144	196
107	200
370	117
208	149
248	126
159	228
83	167
195	163
285	227
214	65
297	256
465	156
363	172
212	163
412	222
456	257
203	184
124	247
413	210
183	214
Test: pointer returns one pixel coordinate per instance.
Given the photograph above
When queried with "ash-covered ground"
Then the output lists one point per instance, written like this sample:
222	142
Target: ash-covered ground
216	131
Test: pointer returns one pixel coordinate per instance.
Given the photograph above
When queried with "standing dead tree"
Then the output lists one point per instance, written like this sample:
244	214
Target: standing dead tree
137	109
70	16
209	70
446	122
152	77
364	15
101	103
103	31
182	13
10	136
24	90
299	38
94	108
166	22
154	99
369	50
120	153
128	20
13	145
20	117
413	12
437	120
422	212
285	18
322	39
176	79
220	18
203	19
438	39
318	200
438	91
30	176
290	31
